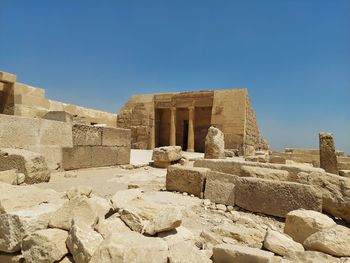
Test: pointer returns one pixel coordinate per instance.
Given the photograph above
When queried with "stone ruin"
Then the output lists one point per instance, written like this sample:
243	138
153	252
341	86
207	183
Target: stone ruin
95	201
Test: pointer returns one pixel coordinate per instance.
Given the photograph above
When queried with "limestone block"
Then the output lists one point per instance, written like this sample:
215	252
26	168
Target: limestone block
123	155
76	157
55	133
280	244
238	254
245	236
164	156
275	198
344	165
104	156
131	248
78	209
310	256
334	190
9	176
30	100
84	135
15	225
23	89
186	179
47	245
111	225
58	116
328	157
121	198
166	219
13	197
334	241
300	224
219	188
264	173
116	137
183	252
214	144
82	242
7	77
52	153
31	164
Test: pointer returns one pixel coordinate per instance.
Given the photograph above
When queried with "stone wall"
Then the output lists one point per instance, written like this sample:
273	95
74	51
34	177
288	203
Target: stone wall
97	147
252	134
38	135
23	100
138	116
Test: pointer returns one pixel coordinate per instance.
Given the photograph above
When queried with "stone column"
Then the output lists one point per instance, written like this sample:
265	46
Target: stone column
173	127
190	142
328	158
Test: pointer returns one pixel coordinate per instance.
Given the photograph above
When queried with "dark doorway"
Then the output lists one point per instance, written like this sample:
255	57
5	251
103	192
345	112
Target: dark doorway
185	135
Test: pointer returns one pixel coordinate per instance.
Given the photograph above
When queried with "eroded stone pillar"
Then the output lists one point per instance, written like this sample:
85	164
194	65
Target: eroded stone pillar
190	142
173	126
328	157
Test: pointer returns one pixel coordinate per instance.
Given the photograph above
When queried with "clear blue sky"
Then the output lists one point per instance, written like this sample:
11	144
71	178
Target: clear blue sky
292	55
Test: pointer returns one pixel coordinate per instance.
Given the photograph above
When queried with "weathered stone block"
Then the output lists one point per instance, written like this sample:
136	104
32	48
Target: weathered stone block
76	157
58	116
275	198
277	159
219	188
186	179
116	137
264	173
104	156
214	144
31	164
225	253
86	135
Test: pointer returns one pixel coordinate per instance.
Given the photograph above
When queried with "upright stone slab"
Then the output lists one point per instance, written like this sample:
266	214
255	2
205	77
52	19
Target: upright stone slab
328	157
214	144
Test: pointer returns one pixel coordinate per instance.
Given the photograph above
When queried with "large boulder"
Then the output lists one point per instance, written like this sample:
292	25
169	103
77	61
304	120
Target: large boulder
15	225
82	242
300	224
32	165
166	155
131	248
186	179
334	189
225	253
334	241
214	144
275	198
47	245
280	244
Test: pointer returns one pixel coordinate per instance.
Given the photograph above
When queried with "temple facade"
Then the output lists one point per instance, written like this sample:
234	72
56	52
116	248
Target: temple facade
184	118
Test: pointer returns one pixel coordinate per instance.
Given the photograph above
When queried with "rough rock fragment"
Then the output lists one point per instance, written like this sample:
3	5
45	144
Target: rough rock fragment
111	225
301	223
131	248
166	219
164	156
31	164
280	244
225	253
334	241
79	190
47	245
82	242
183	252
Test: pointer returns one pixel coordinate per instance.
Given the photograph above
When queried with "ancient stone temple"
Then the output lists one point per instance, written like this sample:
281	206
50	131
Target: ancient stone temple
183	119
